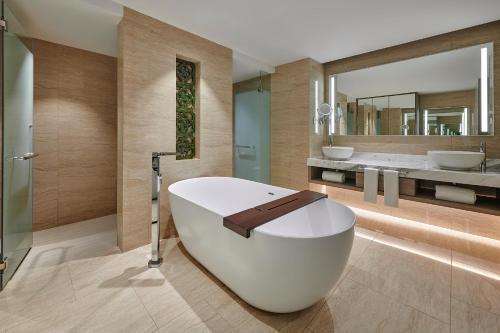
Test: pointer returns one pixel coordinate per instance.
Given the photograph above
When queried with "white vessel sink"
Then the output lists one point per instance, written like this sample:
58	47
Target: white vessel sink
456	160
338	153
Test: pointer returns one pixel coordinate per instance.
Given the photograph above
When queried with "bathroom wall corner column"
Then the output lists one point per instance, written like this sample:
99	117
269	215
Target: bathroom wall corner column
148	50
293	101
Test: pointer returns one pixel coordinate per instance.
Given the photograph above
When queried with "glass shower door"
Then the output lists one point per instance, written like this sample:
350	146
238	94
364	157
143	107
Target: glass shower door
17	119
251	133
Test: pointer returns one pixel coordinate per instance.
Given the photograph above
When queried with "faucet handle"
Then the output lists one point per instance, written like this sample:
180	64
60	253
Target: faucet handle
482	146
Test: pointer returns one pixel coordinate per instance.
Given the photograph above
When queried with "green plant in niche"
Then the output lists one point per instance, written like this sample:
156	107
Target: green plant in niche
185	110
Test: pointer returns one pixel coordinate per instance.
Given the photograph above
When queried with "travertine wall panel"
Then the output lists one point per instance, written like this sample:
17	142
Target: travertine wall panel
292	128
74	130
146	117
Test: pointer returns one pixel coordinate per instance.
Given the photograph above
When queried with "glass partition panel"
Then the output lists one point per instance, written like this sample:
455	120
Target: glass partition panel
252	107
17	154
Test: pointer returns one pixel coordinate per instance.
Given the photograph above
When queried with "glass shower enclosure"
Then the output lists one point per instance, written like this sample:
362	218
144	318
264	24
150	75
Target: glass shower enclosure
16	236
252	109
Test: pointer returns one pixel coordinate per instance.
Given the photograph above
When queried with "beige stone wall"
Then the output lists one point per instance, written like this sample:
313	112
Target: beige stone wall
146	117
74	129
292	109
416	144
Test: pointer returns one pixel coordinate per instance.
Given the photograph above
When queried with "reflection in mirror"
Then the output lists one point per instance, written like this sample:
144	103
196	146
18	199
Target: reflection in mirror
380	115
451	90
446	121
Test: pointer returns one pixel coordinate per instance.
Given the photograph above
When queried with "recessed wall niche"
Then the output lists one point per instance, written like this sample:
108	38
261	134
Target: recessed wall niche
186	109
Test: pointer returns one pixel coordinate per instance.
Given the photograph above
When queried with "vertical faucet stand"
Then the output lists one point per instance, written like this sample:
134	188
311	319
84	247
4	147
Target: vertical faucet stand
156	260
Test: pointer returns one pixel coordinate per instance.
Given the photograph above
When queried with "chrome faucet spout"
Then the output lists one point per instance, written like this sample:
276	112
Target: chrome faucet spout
482	149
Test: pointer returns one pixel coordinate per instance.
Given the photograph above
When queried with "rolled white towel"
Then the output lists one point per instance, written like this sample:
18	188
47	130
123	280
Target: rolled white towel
456	194
333	176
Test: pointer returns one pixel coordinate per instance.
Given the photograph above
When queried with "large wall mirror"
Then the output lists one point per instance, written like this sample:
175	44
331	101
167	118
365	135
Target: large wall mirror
449	93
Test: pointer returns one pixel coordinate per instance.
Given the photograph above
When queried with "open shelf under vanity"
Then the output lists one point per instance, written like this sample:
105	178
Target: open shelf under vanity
420	190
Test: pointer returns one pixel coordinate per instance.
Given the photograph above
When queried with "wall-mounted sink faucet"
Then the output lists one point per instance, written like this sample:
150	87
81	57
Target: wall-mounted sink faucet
482	149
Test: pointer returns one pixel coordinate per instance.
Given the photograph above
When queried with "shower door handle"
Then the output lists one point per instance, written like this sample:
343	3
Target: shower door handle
27	156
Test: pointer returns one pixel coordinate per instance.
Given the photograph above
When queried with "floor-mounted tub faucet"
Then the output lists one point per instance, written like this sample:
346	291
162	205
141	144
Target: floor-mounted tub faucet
155	228
482	149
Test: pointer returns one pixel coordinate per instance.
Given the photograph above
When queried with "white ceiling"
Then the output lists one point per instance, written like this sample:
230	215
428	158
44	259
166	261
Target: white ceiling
271	32
277	32
448	71
245	67
85	24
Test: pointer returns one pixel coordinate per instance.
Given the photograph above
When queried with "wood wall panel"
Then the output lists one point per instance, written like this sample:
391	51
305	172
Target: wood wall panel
489	32
75	134
146	117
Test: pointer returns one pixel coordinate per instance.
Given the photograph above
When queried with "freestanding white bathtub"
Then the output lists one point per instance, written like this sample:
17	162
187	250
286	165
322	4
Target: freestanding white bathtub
286	265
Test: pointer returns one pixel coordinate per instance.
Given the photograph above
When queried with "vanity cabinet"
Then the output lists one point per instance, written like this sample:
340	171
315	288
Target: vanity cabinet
414	189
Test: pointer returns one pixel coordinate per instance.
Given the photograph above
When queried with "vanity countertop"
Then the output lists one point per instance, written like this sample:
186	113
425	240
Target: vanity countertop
413	166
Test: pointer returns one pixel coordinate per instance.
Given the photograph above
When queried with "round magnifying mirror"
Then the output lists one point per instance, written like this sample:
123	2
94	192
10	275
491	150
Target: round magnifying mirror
325	109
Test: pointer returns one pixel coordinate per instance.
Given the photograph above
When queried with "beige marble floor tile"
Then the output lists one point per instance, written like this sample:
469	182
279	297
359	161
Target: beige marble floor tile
47	256
243	317
29	295
362	238
85	240
199	318
194	285
262	321
414	274
303	319
107	274
120	311
99	227
268	322
476	282
78	281
32	291
183	323
355	308
159	297
212	321
235	313
467	318
255	326
9	319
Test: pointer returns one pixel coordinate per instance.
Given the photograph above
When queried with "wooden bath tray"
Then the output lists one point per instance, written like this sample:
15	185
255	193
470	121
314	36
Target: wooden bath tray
243	222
